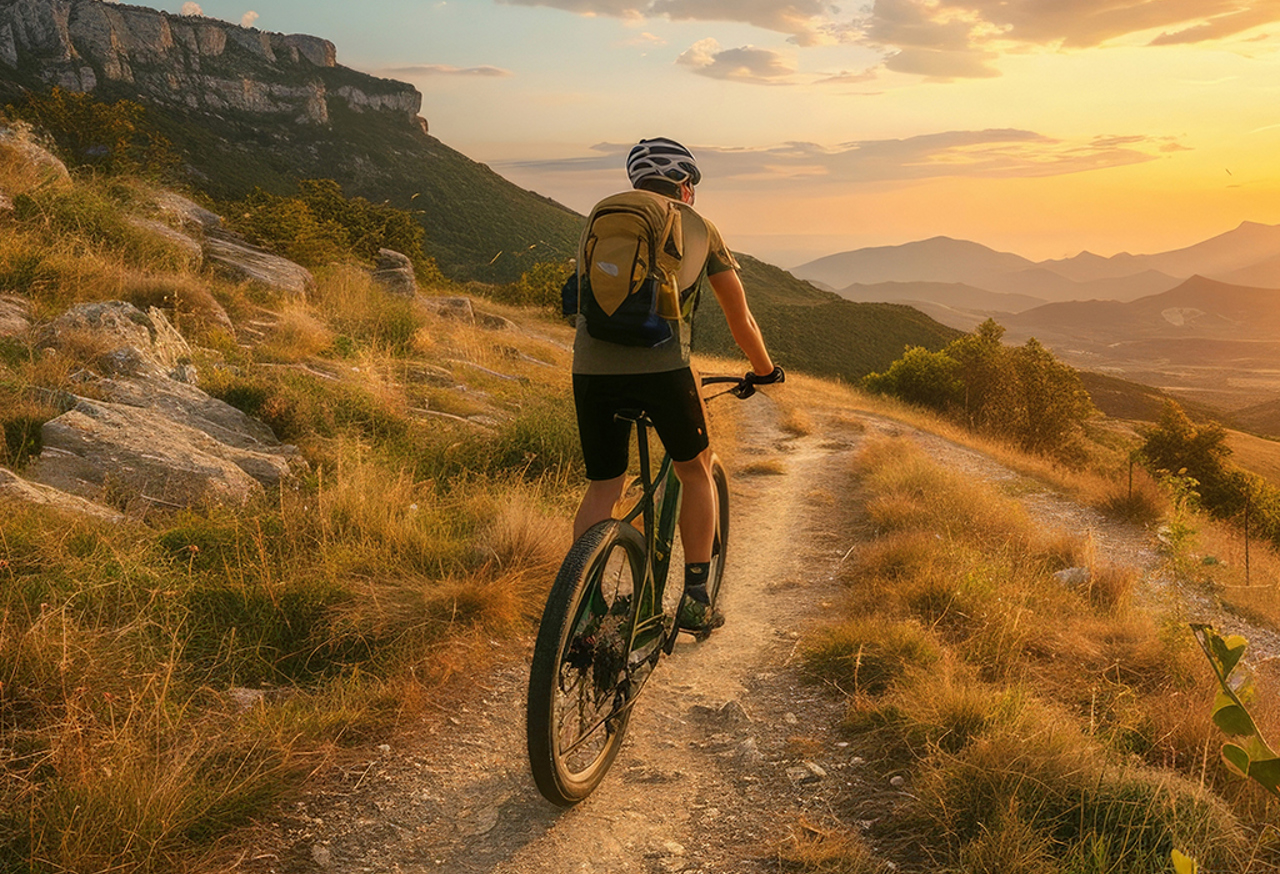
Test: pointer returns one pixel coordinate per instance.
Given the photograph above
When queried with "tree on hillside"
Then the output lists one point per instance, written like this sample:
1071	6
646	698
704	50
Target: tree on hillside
930	379
1022	394
1176	443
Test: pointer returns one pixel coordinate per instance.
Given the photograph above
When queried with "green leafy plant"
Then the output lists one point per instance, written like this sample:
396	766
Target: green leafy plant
1248	755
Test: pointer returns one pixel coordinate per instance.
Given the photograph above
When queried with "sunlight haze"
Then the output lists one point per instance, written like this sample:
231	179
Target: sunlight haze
1040	129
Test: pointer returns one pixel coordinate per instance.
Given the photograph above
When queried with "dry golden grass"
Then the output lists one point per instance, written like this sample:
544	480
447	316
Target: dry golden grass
813	849
763	467
20	174
297	335
1030	688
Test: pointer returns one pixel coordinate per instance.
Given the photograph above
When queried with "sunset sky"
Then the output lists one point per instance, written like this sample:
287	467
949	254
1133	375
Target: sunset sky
1041	127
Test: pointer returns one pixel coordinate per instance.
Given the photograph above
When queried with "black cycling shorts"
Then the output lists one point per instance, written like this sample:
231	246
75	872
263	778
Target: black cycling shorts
671	400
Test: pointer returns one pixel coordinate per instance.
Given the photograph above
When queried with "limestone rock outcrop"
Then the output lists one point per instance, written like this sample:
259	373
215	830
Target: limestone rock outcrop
188	60
141	435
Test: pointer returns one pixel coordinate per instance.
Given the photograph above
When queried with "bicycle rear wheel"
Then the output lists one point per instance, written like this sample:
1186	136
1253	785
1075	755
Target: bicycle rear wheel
579	682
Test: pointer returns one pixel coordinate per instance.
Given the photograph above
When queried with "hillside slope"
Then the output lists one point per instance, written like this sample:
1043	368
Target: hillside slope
819	331
250	108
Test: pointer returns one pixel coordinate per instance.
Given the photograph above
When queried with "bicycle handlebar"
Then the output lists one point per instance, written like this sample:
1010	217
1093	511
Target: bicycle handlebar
743	386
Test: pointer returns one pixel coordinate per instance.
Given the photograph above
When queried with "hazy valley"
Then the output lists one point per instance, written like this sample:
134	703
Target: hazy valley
1198	322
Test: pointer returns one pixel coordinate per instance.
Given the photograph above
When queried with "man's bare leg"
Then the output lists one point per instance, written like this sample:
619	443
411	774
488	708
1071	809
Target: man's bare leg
697	507
597	504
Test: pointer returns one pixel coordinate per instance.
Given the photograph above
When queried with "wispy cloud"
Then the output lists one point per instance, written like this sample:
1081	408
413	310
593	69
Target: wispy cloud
802	19
644	39
745	64
484	71
996	153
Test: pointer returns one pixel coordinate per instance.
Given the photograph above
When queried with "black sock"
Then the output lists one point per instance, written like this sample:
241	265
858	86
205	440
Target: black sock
695	581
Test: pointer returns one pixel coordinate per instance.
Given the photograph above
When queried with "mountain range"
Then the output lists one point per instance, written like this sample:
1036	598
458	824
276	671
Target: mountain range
1249	255
1201	322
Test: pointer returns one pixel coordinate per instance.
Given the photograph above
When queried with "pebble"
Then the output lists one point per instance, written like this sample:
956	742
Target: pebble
898	781
816	770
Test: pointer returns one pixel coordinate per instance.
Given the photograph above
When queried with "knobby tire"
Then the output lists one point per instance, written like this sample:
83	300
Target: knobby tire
579	695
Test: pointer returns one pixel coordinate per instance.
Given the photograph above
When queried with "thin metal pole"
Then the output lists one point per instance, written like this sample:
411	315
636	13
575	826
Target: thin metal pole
1247	580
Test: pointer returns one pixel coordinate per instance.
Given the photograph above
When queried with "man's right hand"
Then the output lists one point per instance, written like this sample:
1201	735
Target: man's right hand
776	375
747	387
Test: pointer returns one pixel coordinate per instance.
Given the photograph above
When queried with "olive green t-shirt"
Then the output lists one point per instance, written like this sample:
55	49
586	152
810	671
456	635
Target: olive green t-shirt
602	357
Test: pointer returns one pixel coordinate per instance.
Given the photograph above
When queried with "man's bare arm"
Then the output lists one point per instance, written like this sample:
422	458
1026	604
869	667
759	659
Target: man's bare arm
746	333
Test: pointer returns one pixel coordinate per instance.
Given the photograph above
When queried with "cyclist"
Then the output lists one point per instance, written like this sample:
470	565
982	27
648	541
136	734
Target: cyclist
608	377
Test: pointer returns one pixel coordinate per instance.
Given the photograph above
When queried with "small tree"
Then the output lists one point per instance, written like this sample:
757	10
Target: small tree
930	379
1177	443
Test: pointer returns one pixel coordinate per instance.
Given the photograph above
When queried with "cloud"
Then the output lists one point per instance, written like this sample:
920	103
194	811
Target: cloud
248	19
844	77
1084	23
644	39
189	8
947	39
803	20
995	153
747	64
483	71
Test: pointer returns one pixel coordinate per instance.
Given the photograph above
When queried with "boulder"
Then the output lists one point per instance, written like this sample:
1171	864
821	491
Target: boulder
243	261
15	316
135	454
134	343
456	308
194	408
394	273
189	214
175	238
17	138
15	490
150	437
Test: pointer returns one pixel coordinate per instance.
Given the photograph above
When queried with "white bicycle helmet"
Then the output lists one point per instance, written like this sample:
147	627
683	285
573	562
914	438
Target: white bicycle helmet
662	157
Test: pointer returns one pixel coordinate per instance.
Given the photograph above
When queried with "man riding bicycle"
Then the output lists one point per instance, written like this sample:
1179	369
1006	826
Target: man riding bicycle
609	377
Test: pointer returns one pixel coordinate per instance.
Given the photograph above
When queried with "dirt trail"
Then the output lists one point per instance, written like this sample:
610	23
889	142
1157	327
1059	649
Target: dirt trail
714	766
727	748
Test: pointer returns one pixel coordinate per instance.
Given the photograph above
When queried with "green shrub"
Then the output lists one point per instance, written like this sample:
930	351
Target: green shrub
319	225
112	138
1023	395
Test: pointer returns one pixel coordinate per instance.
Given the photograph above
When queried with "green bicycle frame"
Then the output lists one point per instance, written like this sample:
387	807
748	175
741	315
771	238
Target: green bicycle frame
659	506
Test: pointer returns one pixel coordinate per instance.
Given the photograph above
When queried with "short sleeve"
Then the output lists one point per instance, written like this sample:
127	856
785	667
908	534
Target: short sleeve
719	258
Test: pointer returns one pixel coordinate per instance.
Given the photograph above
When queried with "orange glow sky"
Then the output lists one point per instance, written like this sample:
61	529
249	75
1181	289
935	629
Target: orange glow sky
1041	127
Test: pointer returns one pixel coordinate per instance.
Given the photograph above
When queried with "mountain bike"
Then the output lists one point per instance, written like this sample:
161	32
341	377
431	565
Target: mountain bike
607	622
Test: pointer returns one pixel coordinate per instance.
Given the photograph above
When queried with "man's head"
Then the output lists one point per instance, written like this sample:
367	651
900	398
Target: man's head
664	166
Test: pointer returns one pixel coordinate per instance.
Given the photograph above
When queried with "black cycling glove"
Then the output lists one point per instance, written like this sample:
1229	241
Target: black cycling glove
749	382
776	375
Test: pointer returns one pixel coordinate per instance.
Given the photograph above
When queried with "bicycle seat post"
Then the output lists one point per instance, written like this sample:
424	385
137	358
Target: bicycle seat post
642	446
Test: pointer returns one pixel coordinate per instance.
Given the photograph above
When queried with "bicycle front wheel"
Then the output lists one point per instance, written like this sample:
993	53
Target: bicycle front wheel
579	682
720	545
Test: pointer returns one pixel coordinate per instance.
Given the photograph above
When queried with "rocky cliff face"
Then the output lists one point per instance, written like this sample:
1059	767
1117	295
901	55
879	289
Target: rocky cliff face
188	61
